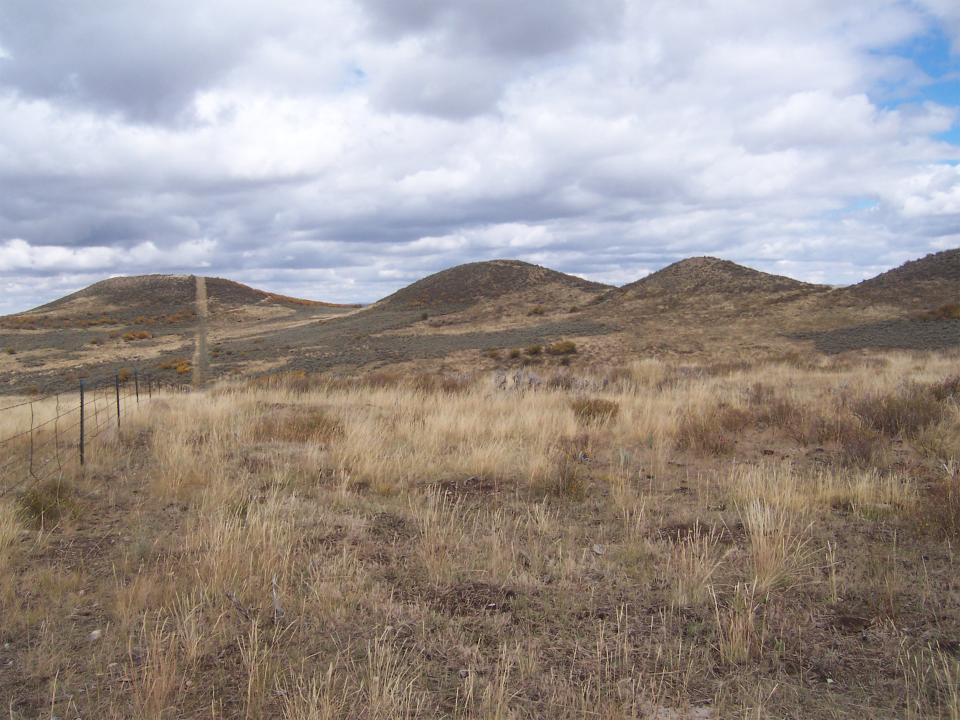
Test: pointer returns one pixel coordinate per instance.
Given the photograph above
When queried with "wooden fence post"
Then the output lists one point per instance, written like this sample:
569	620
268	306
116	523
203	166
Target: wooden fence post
82	417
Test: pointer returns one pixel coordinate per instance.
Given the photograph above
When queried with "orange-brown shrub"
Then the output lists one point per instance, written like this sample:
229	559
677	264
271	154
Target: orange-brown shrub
302	425
440	383
594	410
950	311
562	347
705	432
134	335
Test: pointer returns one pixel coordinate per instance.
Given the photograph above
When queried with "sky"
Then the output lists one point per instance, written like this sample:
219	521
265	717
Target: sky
340	149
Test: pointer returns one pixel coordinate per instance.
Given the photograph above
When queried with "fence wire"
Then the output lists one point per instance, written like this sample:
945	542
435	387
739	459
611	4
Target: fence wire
40	446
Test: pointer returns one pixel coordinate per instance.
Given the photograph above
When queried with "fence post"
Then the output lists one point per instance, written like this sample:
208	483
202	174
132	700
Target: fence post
82	417
116	385
136	383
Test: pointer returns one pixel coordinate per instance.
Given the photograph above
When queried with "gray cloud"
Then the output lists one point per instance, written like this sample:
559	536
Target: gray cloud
503	28
339	150
145	60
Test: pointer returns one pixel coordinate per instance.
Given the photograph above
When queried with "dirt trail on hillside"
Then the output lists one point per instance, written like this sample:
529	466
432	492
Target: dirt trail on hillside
201	360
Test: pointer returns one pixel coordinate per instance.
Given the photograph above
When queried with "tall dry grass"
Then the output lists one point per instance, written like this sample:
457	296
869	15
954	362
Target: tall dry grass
10	529
431	548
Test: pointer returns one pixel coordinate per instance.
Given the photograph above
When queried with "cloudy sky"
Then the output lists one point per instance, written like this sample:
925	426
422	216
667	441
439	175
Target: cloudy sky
338	149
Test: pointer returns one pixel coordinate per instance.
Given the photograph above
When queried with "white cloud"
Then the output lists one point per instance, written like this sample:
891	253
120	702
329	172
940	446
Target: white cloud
363	144
19	255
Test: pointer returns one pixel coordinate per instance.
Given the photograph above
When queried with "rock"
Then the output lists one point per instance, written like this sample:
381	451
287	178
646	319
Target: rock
464	674
95	635
599	549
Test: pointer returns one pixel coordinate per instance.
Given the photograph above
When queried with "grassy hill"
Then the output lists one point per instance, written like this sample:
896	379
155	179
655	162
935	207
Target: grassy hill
924	284
496	281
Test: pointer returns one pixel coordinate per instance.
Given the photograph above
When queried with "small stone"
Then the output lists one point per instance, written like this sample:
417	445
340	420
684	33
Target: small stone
95	635
464	674
599	549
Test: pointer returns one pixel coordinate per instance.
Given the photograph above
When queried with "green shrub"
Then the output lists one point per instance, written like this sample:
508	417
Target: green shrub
537	310
515	353
534	349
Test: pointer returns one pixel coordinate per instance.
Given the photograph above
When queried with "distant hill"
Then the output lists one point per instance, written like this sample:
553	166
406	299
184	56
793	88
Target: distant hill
705	288
709	275
478	315
495	281
156	300
927	283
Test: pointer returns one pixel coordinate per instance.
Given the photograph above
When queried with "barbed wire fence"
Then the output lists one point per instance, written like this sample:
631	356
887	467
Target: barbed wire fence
53	431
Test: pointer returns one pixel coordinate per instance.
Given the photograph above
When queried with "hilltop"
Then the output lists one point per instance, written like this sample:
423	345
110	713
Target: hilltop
709	276
510	283
148	299
705	288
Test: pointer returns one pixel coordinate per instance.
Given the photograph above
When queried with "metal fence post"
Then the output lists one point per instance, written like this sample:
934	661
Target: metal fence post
82	417
136	384
116	384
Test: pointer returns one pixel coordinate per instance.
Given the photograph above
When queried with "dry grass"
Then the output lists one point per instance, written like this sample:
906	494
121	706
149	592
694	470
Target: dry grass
9	532
693	563
740	630
448	546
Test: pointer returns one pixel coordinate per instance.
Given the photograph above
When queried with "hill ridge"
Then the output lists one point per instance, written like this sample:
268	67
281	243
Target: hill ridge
468	284
925	282
708	274
177	288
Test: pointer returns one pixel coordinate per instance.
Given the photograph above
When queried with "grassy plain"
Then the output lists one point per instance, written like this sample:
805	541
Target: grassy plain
651	541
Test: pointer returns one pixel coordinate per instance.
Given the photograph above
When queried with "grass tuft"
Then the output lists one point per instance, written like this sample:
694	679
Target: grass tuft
595	411
47	503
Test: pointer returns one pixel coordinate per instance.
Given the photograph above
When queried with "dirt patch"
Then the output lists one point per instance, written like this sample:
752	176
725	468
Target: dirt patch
471	598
